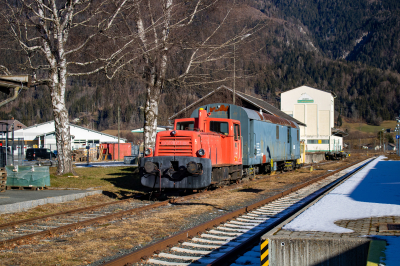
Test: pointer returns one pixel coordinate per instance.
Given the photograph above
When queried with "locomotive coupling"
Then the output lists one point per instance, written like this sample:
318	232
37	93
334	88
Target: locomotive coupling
193	168
150	167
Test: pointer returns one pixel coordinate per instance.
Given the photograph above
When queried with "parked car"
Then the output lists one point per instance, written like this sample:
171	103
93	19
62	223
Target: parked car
39	153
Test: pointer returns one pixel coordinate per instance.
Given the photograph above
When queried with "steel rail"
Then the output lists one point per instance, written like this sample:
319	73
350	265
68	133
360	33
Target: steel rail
76	225
89	208
154	205
117	215
83	209
87	222
108	217
146	252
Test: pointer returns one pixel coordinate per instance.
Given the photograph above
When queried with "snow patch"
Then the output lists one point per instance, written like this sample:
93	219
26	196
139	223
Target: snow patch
372	192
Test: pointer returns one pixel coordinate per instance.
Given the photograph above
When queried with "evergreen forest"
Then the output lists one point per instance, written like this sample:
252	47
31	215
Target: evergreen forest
350	47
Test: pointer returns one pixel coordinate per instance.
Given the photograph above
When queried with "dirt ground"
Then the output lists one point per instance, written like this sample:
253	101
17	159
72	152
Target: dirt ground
91	244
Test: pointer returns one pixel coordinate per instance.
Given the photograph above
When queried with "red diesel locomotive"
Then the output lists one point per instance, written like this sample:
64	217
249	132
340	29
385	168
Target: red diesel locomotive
219	147
185	157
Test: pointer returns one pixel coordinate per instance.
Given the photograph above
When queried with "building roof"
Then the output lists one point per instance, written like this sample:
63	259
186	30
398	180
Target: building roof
73	125
256	103
16	123
331	92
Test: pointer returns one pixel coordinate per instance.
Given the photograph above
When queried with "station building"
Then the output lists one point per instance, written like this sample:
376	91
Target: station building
315	108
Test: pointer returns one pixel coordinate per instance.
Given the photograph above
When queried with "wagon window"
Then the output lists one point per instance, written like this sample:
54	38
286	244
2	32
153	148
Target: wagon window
277	132
219	127
237	132
189	125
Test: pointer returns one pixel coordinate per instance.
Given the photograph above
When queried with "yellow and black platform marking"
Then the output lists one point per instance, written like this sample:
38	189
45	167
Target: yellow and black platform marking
264	253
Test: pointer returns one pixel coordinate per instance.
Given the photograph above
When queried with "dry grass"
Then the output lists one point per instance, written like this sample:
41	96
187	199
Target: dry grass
363	127
116	183
392	157
118	180
93	244
55	208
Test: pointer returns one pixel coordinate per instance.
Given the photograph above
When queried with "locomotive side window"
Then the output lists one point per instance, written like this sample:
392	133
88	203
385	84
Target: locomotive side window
237	132
277	132
219	127
185	125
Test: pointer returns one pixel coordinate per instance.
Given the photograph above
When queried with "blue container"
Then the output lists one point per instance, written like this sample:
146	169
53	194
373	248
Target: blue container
130	160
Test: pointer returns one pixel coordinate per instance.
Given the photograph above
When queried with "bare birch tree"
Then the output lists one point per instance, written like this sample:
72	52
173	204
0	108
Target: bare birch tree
43	30
161	30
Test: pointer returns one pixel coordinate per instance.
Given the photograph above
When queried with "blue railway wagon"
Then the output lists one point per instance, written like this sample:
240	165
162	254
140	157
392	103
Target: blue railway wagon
265	138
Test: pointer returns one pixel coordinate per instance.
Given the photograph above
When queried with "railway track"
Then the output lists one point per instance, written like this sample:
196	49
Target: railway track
18	231
15	232
219	241
50	225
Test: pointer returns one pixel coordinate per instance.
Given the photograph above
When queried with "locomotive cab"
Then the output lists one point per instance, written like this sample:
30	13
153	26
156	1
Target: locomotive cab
198	152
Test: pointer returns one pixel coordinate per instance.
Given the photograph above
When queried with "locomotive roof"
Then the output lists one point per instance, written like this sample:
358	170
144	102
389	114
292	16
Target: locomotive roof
251	100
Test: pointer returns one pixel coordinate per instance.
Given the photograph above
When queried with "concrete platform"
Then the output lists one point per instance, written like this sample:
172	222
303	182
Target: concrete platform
21	200
346	227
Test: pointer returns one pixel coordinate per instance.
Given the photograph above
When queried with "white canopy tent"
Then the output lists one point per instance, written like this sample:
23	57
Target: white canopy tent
140	130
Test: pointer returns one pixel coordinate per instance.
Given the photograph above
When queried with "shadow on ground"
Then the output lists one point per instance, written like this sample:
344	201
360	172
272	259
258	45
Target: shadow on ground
128	179
380	185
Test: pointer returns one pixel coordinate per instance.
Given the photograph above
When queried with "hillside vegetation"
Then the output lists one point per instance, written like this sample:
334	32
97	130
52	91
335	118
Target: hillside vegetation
350	47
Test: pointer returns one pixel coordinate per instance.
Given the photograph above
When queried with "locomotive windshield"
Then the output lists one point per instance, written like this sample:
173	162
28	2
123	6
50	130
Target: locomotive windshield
188	125
219	127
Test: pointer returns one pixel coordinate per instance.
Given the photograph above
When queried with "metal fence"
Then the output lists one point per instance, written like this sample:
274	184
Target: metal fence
52	147
12	152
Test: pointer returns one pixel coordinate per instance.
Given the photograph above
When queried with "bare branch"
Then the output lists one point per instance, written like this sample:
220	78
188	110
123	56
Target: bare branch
5	70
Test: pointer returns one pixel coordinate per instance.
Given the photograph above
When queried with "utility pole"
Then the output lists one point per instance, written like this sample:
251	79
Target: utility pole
12	147
119	110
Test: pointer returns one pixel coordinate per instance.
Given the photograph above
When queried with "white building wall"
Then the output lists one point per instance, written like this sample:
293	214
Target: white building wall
80	137
315	108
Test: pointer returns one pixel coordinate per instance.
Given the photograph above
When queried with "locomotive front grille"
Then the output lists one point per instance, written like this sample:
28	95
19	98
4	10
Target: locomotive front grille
175	145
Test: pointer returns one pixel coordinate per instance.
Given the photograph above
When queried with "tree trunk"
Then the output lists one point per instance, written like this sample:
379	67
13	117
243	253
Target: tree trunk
61	123
151	114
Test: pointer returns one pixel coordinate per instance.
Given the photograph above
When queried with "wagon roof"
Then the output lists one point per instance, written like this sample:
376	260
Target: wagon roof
257	103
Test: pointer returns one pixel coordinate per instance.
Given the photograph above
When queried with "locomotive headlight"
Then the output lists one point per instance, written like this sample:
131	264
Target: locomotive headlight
201	152
173	132
148	152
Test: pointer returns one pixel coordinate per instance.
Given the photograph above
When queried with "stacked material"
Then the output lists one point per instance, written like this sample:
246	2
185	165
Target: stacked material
80	155
3	179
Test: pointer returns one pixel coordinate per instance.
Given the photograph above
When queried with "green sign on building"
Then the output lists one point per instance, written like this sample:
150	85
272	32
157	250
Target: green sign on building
305	101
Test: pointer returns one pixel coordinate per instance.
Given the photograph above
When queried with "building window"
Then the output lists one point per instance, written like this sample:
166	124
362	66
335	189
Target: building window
317	141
